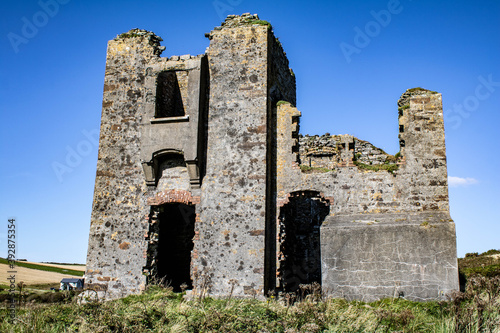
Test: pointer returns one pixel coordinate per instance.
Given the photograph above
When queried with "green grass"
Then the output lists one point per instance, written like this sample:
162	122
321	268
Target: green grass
45	268
260	22
308	169
377	167
161	310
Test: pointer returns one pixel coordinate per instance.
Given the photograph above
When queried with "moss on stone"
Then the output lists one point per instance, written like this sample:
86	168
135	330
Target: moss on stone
260	22
308	169
421	89
282	102
377	167
404	107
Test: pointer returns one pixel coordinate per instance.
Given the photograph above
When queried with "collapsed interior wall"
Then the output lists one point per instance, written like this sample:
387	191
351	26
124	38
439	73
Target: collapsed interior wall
331	151
388	230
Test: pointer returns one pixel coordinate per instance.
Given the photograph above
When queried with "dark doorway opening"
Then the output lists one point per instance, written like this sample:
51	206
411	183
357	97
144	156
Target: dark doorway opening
175	243
300	246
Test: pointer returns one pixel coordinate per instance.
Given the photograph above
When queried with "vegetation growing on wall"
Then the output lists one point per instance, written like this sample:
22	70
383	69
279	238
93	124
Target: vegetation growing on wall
421	89
282	102
377	167
308	169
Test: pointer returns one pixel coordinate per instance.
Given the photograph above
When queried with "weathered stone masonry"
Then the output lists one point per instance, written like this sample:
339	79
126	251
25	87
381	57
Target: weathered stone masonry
204	182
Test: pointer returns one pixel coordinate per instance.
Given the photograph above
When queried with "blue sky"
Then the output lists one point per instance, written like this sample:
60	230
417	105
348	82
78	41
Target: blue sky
352	61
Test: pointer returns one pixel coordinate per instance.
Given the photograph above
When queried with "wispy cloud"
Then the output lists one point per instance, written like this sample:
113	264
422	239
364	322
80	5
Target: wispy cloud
459	181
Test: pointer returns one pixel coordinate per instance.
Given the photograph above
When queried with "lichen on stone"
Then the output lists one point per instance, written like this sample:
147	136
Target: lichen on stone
405	97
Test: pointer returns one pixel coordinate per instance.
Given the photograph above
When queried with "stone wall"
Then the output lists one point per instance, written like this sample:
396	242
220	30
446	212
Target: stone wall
116	244
231	246
369	257
421	134
331	151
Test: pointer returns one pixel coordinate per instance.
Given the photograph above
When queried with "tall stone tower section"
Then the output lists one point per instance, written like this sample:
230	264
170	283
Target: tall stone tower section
116	241
421	137
249	74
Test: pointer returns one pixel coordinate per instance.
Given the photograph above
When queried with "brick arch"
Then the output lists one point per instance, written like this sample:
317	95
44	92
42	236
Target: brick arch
305	193
173	196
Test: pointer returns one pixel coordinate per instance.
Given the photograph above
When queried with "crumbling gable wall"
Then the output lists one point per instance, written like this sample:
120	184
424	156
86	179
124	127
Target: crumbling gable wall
389	231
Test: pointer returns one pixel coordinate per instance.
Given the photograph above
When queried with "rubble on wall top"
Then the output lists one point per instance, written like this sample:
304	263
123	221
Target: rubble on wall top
405	97
140	33
152	38
185	57
245	19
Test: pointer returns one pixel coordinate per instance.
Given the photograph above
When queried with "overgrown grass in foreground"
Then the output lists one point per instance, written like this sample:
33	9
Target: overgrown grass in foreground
160	310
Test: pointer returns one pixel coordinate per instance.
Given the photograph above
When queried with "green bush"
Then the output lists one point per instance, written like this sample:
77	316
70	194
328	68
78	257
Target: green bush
490	252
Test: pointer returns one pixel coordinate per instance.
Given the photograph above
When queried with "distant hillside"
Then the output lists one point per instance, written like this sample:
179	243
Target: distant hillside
486	264
61	269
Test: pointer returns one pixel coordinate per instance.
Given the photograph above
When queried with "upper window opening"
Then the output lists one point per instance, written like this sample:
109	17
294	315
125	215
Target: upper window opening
168	96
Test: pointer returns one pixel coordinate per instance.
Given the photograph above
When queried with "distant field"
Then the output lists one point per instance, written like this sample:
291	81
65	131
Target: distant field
32	276
73	267
61	269
38	273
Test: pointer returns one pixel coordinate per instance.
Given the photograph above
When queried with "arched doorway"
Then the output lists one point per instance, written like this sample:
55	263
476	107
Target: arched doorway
299	240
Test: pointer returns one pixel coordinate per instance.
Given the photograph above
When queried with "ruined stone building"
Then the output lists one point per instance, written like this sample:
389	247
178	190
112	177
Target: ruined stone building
204	181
